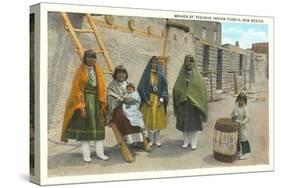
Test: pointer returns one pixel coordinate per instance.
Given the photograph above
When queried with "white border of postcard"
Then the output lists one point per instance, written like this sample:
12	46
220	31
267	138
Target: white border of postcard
43	170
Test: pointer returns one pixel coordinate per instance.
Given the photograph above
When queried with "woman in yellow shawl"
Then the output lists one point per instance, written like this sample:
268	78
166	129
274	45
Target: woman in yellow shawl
153	90
85	108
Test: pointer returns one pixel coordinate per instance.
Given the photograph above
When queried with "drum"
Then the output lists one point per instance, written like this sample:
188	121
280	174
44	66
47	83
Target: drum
225	140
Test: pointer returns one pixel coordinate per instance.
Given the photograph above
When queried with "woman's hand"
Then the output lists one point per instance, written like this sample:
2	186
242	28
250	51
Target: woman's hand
161	100
234	115
120	99
239	125
83	113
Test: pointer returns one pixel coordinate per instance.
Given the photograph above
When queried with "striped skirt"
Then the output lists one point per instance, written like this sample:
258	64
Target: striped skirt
87	128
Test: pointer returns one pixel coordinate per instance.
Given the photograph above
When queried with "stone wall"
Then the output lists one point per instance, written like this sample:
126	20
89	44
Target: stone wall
212	66
230	61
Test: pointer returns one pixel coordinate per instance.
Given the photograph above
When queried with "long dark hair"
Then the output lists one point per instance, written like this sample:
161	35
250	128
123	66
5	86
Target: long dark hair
89	53
144	87
189	57
153	58
242	96
120	68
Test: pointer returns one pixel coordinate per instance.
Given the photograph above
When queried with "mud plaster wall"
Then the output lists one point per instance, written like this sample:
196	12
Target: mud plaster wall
129	49
133	51
260	61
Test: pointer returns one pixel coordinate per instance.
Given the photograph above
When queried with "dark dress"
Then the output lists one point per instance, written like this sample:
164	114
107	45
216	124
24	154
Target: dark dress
123	123
189	118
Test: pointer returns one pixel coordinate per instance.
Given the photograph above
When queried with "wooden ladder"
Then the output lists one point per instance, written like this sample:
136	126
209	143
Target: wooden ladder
102	49
77	44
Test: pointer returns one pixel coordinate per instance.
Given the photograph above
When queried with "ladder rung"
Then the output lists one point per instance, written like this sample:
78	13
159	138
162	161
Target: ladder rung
84	30
98	50
77	45
107	72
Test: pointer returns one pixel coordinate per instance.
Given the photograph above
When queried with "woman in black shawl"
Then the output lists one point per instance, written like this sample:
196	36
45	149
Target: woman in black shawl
153	90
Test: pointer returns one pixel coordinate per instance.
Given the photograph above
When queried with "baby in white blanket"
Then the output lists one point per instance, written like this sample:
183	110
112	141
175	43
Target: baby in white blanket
131	111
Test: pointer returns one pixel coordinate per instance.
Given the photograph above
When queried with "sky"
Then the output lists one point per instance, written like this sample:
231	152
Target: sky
246	34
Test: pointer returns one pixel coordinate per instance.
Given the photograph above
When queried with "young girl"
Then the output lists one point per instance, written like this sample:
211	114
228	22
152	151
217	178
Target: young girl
240	115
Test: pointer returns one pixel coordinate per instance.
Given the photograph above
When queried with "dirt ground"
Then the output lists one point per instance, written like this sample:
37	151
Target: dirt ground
66	159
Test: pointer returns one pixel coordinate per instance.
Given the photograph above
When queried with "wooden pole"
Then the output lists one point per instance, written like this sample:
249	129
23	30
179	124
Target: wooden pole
146	145
100	42
122	144
83	30
164	49
70	29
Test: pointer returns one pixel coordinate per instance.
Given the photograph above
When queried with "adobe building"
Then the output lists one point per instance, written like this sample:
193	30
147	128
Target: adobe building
132	41
209	32
262	49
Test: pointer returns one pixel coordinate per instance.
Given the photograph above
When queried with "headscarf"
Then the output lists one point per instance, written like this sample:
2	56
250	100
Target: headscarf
195	92
145	87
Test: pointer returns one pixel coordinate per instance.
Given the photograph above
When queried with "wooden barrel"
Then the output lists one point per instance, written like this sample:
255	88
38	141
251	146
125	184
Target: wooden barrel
225	140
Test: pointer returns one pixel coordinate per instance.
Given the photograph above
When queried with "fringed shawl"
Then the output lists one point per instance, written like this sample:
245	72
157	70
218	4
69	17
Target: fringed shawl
195	92
144	87
76	98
